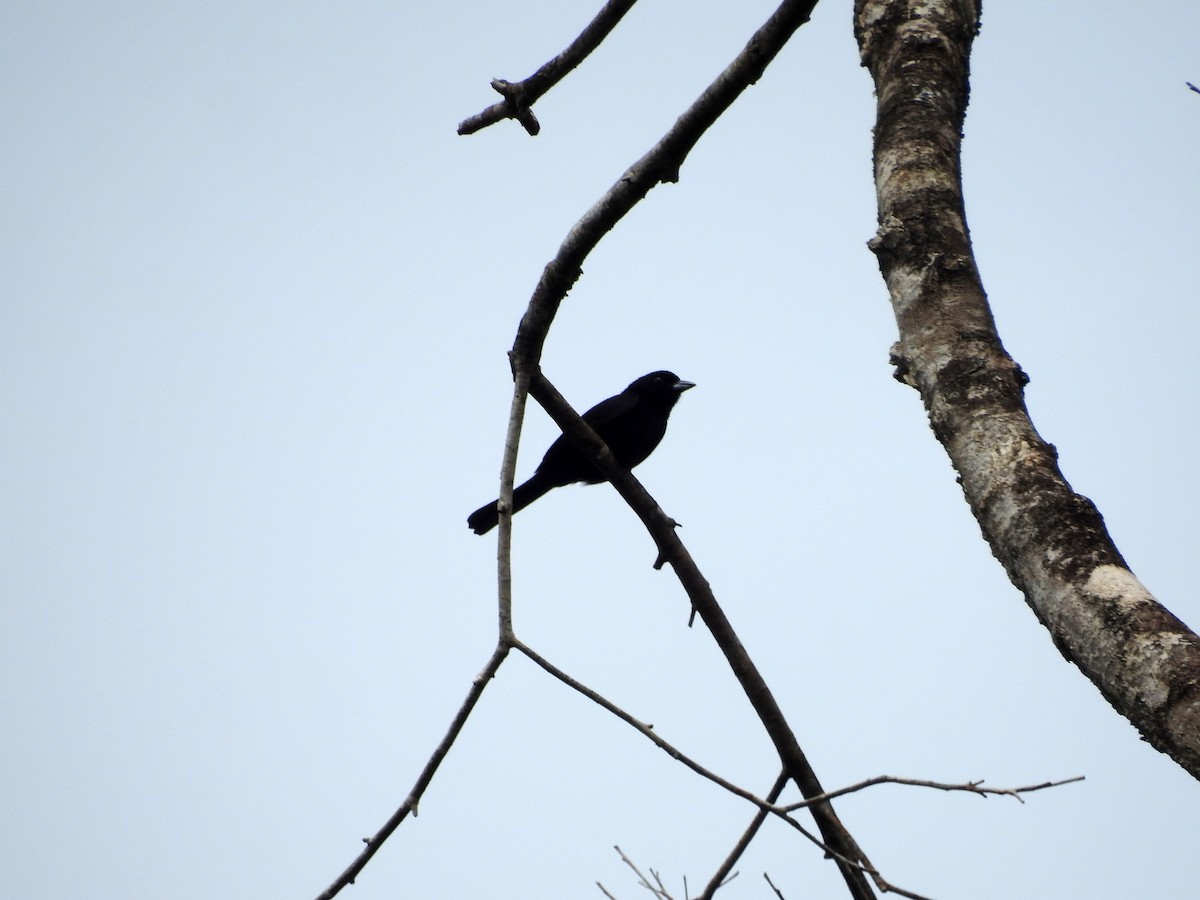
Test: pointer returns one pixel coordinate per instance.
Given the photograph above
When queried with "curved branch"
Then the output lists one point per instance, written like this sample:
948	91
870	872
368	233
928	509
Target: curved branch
1051	541
520	97
660	164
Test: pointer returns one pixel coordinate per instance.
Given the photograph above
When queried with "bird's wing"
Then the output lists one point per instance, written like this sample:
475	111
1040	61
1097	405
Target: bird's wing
607	410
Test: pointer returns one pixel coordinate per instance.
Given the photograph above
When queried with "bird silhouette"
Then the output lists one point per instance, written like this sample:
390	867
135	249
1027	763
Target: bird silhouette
632	424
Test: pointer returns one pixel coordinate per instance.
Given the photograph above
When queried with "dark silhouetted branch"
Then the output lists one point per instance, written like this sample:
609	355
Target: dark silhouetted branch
724	872
520	96
970	787
661	164
410	803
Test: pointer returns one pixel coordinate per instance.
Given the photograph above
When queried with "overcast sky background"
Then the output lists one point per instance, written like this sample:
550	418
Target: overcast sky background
256	300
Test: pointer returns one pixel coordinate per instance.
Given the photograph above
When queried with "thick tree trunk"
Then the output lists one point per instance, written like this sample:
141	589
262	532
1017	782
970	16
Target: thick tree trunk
1051	541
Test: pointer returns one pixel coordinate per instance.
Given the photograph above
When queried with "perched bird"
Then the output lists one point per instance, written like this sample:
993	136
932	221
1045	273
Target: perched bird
632	424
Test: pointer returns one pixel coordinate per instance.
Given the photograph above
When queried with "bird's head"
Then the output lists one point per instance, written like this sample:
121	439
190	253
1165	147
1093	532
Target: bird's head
661	385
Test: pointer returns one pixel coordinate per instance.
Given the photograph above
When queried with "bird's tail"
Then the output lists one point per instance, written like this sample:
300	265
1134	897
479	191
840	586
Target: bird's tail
487	516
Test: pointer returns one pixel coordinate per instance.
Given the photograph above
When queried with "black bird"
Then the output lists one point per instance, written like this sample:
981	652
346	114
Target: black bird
631	423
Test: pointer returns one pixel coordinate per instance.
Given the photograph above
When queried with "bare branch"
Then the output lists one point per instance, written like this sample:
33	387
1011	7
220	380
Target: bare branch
414	796
972	787
657	889
508	470
503	645
647	731
766	807
1051	541
721	876
1192	86
660	164
520	97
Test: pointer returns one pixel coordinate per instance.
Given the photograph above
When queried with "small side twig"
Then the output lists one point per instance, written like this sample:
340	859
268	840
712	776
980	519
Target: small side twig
658	888
647	731
521	95
861	864
971	787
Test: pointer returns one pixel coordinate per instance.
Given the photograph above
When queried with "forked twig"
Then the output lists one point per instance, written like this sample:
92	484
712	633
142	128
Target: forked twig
658	889
520	96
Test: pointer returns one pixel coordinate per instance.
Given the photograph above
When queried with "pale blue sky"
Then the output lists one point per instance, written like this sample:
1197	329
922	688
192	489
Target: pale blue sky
256	299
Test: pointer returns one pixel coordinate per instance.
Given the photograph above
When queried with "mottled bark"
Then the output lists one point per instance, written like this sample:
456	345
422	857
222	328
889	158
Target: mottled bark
1051	541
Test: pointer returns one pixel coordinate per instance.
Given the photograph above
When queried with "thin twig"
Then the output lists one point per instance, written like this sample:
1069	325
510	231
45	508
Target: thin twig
643	729
661	164
504	643
862	865
414	796
519	97
718	879
659	891
972	787
778	892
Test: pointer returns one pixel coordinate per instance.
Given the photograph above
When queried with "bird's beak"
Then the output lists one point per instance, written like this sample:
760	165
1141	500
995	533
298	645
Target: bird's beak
680	386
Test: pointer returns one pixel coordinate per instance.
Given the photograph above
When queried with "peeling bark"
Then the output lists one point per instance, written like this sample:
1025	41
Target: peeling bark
1051	541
